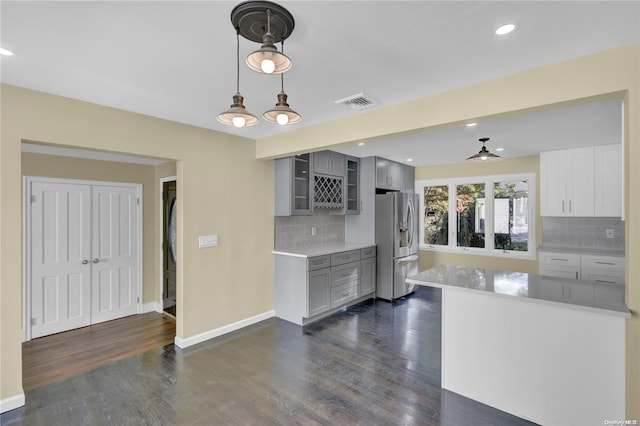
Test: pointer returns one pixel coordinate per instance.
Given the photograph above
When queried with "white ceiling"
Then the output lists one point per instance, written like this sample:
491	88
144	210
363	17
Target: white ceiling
176	60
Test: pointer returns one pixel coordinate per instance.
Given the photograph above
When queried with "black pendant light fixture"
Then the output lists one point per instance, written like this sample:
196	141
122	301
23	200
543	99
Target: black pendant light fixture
267	23
282	114
237	115
484	155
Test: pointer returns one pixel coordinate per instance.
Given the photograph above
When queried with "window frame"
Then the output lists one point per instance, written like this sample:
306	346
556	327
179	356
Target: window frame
489	181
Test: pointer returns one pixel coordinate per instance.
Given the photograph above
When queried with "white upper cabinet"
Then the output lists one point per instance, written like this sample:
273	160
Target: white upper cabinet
581	182
608	180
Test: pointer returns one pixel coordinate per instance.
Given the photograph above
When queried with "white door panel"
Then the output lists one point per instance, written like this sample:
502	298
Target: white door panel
115	260
83	254
60	243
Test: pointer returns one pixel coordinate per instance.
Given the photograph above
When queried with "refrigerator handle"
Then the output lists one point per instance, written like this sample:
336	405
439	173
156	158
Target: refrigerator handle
411	258
411	222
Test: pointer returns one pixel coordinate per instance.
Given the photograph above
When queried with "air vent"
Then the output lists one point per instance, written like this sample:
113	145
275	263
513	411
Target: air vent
358	102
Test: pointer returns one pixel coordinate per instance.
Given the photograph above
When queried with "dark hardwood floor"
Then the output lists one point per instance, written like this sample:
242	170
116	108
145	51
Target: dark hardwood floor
376	364
52	358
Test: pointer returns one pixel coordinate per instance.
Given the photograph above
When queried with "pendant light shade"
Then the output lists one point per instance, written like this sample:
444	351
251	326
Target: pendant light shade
237	115
281	113
484	155
267	59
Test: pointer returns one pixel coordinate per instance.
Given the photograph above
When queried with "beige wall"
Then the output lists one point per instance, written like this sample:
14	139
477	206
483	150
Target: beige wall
530	164
223	190
108	171
611	73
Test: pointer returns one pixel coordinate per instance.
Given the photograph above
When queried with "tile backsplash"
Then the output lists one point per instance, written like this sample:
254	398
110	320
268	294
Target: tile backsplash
293	232
583	232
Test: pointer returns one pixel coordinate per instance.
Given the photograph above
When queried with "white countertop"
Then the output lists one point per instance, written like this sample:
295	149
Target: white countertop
322	250
582	295
577	250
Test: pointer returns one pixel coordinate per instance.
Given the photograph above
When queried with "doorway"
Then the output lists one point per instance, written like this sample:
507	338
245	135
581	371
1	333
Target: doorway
83	253
169	211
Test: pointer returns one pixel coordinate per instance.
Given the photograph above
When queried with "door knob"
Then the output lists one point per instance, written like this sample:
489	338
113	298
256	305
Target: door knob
85	261
96	260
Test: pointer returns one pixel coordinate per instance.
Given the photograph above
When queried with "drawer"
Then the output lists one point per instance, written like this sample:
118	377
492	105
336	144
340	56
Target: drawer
560	271
318	262
345	273
345	257
344	293
599	276
605	263
560	259
368	252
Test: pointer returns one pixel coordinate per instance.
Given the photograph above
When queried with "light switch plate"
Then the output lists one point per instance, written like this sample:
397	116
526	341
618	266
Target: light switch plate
207	241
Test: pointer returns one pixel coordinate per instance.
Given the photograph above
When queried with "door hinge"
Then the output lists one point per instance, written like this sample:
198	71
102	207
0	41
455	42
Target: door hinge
33	198
34	321
138	299
138	200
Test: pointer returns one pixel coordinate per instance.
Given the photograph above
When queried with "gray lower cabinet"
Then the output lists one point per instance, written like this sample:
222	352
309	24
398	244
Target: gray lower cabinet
318	300
306	287
367	276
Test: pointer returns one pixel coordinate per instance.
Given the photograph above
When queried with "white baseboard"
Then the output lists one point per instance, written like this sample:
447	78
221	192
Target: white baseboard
151	307
211	334
11	403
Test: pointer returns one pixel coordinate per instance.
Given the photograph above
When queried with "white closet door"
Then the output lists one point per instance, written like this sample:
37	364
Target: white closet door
60	253
114	253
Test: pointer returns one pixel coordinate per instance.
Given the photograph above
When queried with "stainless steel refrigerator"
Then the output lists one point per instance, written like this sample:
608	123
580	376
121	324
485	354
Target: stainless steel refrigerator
397	243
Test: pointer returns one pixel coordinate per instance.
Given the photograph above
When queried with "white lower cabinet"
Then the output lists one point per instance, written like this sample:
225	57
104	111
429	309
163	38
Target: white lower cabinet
307	287
593	268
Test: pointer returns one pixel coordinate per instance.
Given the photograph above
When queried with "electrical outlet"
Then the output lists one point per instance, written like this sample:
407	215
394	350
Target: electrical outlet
611	233
207	241
313	231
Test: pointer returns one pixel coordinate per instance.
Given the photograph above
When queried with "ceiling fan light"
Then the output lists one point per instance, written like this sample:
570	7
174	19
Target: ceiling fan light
237	115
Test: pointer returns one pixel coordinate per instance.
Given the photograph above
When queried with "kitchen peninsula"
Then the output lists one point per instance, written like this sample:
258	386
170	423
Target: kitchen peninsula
547	349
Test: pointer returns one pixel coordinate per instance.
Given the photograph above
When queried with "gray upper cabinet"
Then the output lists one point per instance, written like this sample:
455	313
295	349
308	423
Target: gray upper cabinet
328	163
408	179
393	176
293	185
352	186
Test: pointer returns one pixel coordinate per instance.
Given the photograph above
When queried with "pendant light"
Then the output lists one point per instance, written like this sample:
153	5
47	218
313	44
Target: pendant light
267	59
237	115
484	155
281	113
267	23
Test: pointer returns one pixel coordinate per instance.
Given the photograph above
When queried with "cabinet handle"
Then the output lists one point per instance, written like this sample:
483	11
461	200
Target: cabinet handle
563	206
345	294
85	261
605	281
557	258
569	206
346	274
605	263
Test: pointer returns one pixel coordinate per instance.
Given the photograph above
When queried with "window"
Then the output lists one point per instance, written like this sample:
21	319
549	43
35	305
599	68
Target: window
487	215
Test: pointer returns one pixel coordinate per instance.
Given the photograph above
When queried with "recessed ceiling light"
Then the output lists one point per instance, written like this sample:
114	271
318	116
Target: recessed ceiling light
500	149
361	144
409	160
471	124
5	52
505	29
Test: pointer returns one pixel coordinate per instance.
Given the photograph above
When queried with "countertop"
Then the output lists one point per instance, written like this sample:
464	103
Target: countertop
322	250
582	295
574	250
